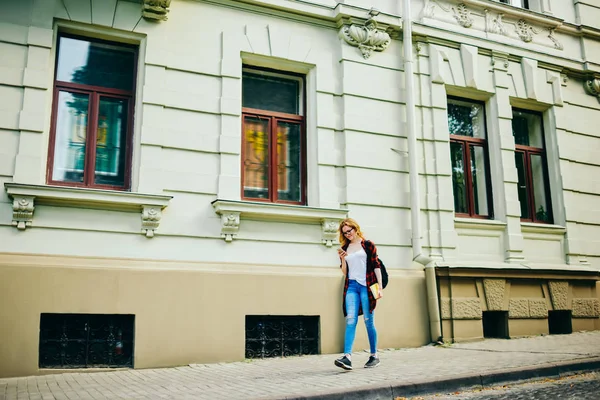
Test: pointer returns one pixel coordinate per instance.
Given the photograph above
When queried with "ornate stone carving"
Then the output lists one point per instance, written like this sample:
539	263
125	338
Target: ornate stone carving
151	216
557	44
368	37
330	231
586	308
559	293
592	87
230	225
155	10
525	31
23	207
494	293
495	25
463	15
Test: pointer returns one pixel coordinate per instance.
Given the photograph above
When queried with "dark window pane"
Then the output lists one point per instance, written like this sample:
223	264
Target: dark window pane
270	93
71	135
256	158
523	190
97	64
459	178
289	161
539	189
527	129
111	140
466	119
479	178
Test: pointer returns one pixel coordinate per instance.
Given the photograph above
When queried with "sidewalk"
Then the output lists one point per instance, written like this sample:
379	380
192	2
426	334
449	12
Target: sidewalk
401	373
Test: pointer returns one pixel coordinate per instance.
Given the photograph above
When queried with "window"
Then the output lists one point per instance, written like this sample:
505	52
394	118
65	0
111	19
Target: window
281	335
530	159
86	340
273	137
517	3
469	157
92	114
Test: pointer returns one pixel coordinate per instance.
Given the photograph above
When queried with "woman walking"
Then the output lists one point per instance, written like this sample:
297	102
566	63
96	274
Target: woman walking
360	265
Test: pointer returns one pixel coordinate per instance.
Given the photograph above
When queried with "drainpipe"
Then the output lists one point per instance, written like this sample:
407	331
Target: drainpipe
415	209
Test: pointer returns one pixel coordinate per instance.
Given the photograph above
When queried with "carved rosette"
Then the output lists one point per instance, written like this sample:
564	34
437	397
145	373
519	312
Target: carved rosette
230	225
23	207
330	231
151	216
155	10
367	38
592	87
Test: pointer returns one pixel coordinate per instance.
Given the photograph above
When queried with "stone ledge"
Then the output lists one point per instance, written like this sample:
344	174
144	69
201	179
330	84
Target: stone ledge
477	223
232	211
25	197
547	229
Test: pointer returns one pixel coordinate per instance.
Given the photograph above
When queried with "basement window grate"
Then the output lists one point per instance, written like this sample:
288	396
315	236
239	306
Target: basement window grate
560	322
281	336
495	324
86	340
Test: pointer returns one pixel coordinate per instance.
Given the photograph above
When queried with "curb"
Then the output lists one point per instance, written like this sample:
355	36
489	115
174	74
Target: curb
396	389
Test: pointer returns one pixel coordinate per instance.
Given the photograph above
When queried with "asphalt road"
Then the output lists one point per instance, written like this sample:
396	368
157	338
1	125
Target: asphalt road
576	387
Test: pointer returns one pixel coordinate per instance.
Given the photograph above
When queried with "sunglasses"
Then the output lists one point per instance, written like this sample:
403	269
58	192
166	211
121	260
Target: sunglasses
349	231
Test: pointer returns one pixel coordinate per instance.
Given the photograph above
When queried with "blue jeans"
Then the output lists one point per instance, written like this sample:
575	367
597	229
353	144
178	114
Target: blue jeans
358	293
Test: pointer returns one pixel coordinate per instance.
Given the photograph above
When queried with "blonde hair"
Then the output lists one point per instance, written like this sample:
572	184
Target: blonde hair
352	224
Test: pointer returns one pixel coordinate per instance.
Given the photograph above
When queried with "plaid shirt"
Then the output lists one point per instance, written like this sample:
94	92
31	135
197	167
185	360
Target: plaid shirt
372	263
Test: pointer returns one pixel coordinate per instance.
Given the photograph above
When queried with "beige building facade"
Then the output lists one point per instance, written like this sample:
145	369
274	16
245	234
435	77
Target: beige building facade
174	173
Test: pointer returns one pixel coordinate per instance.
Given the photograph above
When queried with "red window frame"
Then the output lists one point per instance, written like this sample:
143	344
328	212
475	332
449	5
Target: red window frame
527	152
465	142
94	93
274	118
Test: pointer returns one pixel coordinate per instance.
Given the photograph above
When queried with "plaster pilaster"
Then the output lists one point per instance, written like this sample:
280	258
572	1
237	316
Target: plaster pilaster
504	174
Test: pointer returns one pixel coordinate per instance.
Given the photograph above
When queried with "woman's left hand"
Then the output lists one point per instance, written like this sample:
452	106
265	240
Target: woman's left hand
380	293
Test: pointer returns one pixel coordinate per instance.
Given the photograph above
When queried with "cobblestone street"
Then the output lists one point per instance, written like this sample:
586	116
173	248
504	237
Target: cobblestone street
576	387
311	375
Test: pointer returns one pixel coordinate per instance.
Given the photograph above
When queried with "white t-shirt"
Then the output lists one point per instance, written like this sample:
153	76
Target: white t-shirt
357	266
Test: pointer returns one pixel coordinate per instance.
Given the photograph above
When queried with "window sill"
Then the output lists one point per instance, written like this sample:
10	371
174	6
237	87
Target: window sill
25	197
232	212
477	223
548	229
517	12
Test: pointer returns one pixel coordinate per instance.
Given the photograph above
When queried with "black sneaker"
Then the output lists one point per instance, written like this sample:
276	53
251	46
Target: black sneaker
372	363
344	363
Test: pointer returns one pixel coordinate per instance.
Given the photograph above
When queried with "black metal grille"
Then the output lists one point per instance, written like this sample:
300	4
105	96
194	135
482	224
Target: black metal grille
86	340
281	336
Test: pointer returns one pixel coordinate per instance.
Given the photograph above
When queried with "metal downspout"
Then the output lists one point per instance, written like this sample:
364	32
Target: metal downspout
415	209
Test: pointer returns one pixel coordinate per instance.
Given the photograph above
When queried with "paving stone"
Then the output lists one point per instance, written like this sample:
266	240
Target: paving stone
272	378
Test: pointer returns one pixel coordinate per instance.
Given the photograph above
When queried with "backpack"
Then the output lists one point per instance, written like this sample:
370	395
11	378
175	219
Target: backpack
384	274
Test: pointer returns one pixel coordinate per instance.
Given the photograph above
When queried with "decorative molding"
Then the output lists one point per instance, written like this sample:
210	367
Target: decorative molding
494	293
463	15
525	31
155	10
232	212
151	216
586	308
368	37
557	44
592	87
26	197
230	225
495	25
559	293
23	207
330	231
